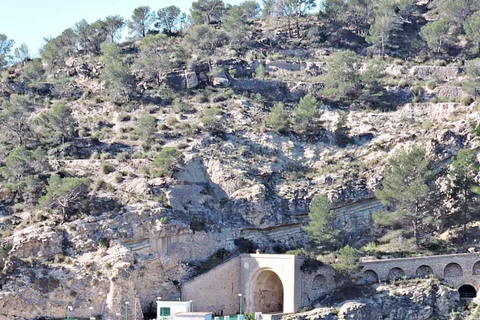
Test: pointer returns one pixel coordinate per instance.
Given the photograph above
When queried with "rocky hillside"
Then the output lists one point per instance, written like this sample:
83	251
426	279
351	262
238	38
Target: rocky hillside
128	169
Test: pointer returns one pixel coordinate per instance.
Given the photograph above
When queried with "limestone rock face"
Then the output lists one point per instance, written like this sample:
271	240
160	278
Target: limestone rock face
413	300
44	242
431	72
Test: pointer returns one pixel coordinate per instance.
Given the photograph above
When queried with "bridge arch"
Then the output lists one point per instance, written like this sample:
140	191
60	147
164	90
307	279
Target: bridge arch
467	291
396	274
452	270
267	291
476	269
370	277
423	271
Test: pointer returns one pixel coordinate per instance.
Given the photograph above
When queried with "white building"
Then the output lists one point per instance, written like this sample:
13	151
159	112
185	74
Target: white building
167	310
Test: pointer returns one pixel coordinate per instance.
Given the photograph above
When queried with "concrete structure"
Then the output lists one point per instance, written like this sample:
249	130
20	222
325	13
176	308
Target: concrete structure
193	316
269	283
167	309
462	271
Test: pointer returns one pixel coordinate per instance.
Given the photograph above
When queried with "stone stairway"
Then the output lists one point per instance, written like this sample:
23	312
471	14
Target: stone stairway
137	245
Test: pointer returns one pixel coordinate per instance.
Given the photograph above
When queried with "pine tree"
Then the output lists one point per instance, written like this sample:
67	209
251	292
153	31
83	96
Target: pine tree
437	36
278	118
65	194
461	180
141	20
472	30
404	188
386	24
321	226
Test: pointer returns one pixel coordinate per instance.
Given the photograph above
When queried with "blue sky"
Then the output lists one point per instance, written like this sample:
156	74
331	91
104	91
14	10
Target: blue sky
30	21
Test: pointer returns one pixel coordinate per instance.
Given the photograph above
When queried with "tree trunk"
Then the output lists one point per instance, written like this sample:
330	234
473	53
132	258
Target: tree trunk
298	27
465	213
415	232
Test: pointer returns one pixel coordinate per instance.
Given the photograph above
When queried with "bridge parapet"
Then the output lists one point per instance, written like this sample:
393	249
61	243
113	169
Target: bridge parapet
457	269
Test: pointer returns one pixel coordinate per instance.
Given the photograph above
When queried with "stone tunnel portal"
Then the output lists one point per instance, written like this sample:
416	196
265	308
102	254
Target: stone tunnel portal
268	292
467	292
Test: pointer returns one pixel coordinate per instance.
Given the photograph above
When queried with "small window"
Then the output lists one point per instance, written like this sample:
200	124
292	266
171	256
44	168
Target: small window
164	312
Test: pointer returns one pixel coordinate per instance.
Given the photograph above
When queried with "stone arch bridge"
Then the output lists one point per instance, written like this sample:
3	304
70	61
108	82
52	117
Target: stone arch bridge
462	271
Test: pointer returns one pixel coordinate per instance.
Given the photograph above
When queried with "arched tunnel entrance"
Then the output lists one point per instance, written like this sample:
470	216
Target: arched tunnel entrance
268	293
467	292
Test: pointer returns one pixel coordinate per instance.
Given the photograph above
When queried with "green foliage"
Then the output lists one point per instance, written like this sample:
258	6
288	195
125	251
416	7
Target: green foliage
157	55
211	120
407	9
167	18
339	15
140	22
104	243
237	22
33	74
306	111
472	30
249	316
21	53
472	82
405	188
277	118
90	37
6	248
385	25
342	76
146	127
59	49
372	82
437	35
342	131
113	26
321	226
65	194
456	12
167	161
349	261
296	9
207	11
14	125
461	180
107	168
204	39
260	71
5	48
116	75
182	107
22	171
57	126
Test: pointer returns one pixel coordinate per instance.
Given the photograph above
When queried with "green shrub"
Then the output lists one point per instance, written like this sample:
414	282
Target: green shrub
210	118
167	161
122	117
6	248
182	107
431	85
348	260
277	118
107	168
260	72
118	177
466	100
104	243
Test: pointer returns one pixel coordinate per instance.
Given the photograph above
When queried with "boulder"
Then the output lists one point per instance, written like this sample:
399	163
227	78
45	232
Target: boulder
191	79
220	80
